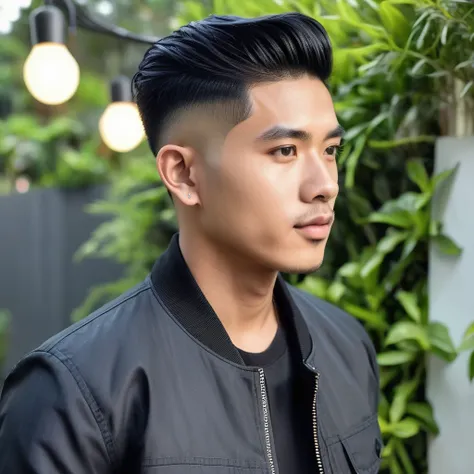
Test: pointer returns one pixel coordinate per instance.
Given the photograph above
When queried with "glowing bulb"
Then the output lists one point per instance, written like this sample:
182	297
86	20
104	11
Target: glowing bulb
121	127
22	184
51	74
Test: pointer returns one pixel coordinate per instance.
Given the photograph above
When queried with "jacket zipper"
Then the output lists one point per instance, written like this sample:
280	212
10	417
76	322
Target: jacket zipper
266	421
315	428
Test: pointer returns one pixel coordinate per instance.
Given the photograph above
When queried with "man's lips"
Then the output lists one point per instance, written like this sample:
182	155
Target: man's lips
317	228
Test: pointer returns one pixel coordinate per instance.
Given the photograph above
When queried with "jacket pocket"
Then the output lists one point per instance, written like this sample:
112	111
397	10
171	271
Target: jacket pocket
358	452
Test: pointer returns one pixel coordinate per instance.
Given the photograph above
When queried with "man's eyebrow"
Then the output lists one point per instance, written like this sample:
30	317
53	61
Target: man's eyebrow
337	132
279	132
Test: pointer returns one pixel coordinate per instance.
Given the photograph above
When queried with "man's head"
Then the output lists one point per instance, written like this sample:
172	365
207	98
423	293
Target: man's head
245	135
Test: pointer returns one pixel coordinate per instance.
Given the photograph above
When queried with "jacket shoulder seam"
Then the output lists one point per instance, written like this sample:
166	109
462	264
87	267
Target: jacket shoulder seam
54	343
99	418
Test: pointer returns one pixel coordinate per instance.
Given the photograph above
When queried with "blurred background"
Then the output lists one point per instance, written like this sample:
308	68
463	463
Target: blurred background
83	215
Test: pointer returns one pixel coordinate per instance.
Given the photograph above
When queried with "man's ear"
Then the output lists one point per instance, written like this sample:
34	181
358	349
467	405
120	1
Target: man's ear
177	168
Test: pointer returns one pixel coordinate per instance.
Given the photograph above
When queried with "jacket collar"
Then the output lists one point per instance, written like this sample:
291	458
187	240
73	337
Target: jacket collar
180	293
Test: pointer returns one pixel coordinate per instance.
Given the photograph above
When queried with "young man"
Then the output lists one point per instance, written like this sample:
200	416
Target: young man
214	365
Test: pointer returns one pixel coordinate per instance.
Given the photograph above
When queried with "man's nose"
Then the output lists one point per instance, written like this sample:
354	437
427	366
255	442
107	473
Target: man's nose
320	182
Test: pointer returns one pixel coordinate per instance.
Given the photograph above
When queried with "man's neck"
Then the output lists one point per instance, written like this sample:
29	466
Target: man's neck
240	293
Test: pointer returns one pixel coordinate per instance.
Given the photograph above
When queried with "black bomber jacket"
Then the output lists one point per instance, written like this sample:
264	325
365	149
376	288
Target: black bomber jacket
151	383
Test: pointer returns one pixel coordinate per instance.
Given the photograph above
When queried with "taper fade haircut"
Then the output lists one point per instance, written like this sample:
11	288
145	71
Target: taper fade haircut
213	63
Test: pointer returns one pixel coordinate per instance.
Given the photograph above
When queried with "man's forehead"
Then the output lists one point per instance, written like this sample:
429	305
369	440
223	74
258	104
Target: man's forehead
303	94
300	104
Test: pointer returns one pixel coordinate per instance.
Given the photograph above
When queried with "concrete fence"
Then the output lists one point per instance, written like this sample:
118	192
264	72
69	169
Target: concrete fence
40	284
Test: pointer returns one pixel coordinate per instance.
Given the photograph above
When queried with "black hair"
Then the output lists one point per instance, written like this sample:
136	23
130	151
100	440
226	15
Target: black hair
214	61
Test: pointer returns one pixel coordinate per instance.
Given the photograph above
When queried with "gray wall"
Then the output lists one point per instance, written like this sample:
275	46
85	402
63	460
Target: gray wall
451	296
40	284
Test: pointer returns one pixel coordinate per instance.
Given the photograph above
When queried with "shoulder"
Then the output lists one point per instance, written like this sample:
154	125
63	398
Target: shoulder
101	350
113	324
92	364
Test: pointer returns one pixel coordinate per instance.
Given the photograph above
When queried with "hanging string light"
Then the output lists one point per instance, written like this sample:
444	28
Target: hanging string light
50	72
52	75
120	126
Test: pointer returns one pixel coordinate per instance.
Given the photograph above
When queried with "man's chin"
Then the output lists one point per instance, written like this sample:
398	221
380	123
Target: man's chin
306	262
301	270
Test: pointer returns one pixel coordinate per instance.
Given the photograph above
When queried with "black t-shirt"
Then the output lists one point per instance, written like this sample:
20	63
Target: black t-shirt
290	397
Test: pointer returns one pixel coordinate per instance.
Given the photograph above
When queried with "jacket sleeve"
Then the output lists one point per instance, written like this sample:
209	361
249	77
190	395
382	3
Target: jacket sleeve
49	423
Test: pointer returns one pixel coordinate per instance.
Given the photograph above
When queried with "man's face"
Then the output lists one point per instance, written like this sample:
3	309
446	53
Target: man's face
267	192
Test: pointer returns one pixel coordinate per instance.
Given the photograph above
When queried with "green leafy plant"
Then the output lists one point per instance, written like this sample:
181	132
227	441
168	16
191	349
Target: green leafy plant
402	77
141	224
55	153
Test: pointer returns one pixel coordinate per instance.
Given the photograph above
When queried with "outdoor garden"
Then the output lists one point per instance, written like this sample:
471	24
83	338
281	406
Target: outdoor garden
403	79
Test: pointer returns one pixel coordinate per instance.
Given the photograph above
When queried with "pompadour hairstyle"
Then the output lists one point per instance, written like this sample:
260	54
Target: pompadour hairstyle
214	62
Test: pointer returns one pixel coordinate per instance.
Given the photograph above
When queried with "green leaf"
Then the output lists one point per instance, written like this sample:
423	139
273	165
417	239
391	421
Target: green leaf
394	358
372	318
435	228
410	245
384	406
387	374
466	89
446	245
424	413
349	270
410	304
355	132
315	286
403	392
444	34
408	201
467	343
417	67
384	426
441	342
347	12
406	428
335	291
395	467
392	238
424	32
407	463
397	218
396	273
394	22
417	173
471	367
443	176
467	63
408	330
372	264
353	159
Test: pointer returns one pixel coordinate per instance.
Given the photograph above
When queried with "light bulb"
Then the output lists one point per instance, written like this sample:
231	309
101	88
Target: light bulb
22	184
121	127
50	73
10	12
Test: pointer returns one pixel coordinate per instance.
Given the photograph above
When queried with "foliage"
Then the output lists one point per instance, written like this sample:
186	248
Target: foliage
402	77
49	154
40	143
141	225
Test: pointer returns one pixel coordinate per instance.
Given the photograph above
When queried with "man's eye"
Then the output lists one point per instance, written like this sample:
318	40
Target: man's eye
333	150
285	151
